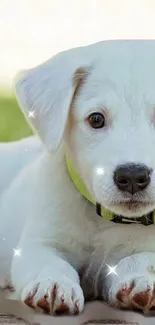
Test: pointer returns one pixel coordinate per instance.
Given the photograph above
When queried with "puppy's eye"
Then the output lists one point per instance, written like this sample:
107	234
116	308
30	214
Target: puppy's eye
96	120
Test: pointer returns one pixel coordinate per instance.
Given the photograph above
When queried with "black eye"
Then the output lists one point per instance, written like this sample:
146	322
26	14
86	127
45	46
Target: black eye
96	120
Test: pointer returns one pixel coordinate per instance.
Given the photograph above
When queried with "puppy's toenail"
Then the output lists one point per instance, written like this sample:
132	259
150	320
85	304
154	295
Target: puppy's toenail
43	304
62	309
28	301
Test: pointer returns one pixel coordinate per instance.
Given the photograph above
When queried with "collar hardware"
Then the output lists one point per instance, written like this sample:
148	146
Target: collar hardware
145	220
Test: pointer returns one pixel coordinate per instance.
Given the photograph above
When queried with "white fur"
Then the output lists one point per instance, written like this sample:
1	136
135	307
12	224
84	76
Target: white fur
41	211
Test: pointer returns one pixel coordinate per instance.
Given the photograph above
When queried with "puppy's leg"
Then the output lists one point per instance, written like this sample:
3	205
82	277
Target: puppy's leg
44	280
129	283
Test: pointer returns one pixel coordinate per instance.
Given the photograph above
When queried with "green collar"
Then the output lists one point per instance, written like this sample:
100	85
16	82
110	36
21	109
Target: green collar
145	220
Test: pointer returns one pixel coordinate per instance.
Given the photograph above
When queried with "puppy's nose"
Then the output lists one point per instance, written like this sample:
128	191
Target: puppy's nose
132	178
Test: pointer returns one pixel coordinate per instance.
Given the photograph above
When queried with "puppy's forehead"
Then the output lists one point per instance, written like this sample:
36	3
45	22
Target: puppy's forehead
122	71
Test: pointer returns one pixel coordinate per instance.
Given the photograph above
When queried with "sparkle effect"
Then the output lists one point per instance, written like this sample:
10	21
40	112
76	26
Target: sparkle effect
31	114
16	252
112	269
100	171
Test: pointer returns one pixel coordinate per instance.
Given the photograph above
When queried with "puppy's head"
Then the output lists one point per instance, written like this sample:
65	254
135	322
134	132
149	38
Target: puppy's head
100	100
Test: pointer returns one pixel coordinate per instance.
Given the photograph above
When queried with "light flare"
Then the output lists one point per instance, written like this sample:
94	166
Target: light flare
100	171
31	114
112	269
17	252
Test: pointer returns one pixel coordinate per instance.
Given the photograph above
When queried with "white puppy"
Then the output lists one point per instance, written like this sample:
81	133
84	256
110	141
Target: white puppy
94	105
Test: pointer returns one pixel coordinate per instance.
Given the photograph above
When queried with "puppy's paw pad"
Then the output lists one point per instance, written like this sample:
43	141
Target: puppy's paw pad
134	292
141	299
54	297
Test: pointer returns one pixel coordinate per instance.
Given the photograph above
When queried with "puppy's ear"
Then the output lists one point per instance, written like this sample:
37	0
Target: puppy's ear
45	94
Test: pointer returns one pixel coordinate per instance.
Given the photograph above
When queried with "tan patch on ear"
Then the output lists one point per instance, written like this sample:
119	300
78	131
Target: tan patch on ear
78	79
70	124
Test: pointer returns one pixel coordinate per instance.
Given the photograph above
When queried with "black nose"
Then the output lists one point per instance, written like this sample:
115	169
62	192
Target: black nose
132	178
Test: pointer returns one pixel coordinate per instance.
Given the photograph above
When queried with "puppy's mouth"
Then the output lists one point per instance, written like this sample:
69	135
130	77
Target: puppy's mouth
132	208
133	204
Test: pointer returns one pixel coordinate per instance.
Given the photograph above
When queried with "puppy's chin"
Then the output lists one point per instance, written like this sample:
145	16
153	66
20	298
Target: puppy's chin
131	209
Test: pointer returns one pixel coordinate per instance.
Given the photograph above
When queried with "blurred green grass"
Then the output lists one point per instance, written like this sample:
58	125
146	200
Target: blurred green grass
13	125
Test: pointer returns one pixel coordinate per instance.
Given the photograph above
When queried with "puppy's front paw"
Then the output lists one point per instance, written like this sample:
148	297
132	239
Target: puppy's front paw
136	291
55	297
